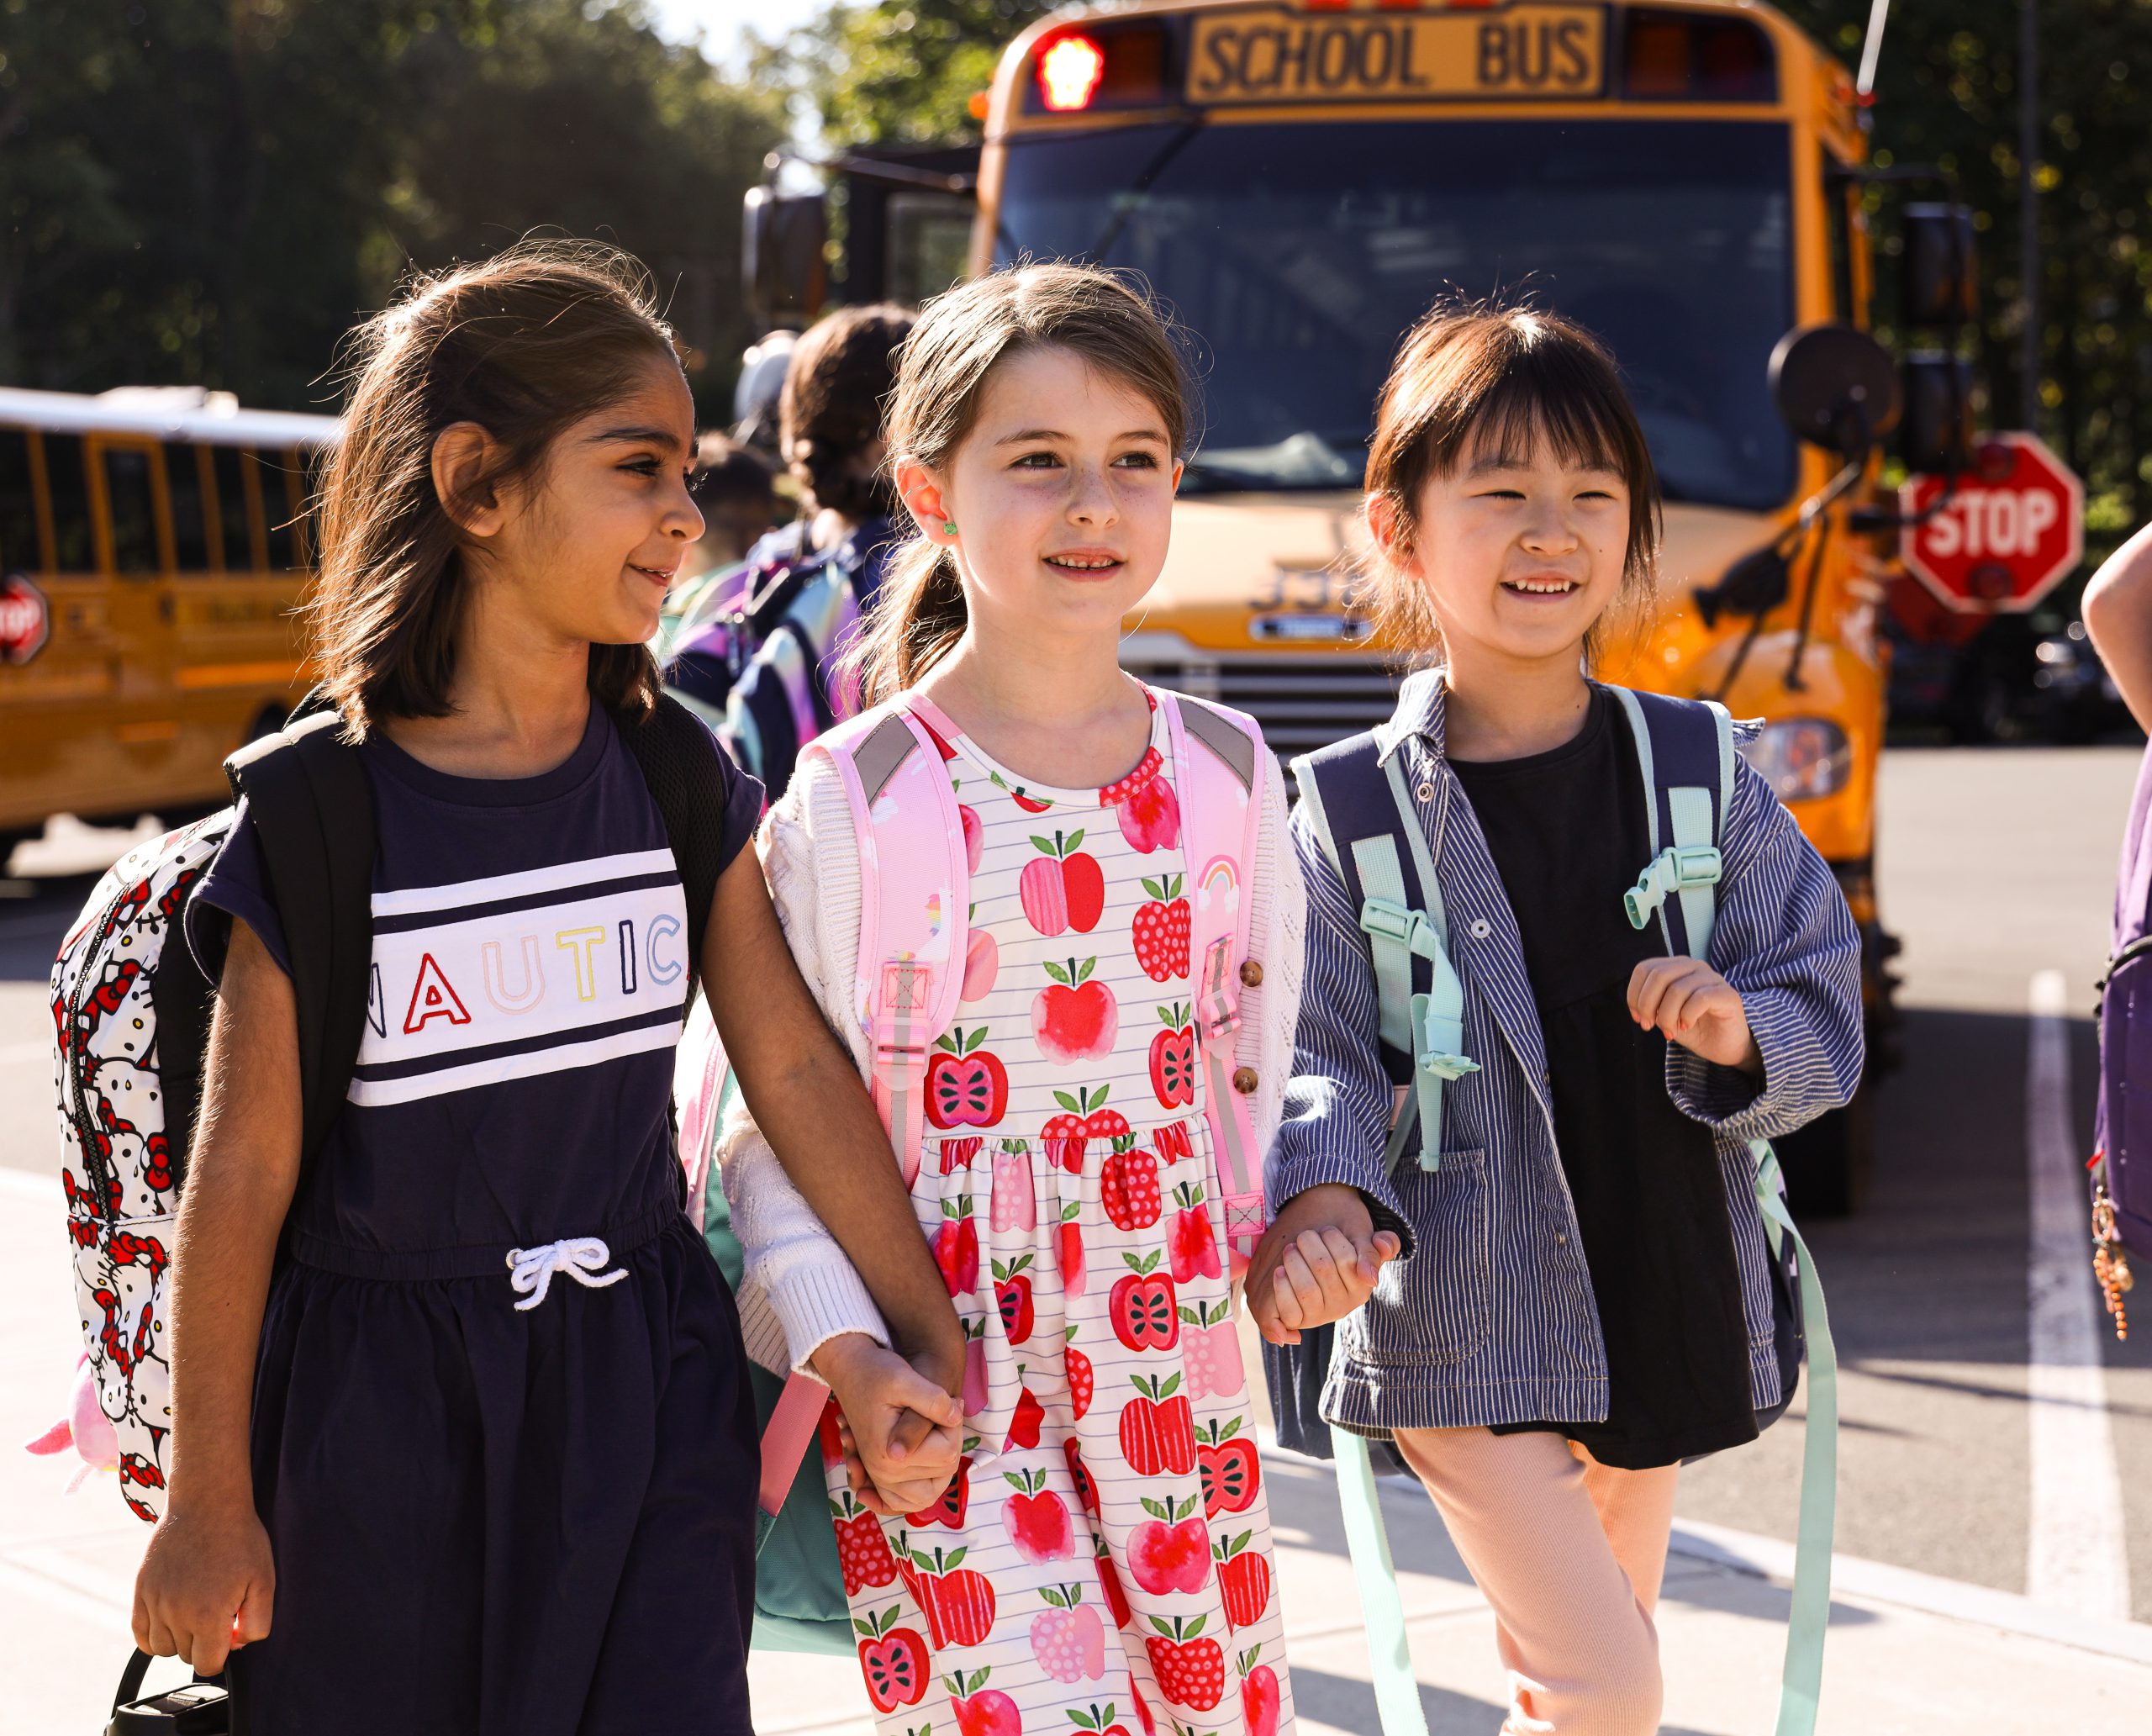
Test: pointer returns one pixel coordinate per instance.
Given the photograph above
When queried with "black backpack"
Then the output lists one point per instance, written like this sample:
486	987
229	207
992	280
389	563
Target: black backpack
131	1012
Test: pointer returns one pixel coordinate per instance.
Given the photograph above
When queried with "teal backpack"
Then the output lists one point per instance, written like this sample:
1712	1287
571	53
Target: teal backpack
1359	801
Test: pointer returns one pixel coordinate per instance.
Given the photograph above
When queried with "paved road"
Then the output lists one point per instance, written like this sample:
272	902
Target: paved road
1996	867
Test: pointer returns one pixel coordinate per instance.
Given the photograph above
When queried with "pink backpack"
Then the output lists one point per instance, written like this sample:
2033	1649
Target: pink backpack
914	878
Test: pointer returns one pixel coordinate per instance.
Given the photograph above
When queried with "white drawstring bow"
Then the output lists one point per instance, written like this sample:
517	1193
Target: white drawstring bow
530	1269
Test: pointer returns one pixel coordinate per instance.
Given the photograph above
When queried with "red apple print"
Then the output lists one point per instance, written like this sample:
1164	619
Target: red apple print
936	736
958	1153
1015	1197
1171	1139
966	1085
892	1659
1141	1305
1150	818
1191	1246
1259	1694
1128	1187
1075	1018
1097	1721
1087	1491
1036	1519
959	1604
1024	1424
1012	1296
1172	1058
1160	930
827	1435
1190	1670
1157	1428
1109	1584
863	1554
1113	794
982	965
1243	1579
1068	1251
982	1710
974	1393
1029	804
974	834
1062	888
1230	1467
1142	1707
1068	1640
1067	1136
955	1501
1083	1381
956	1246
1170	1551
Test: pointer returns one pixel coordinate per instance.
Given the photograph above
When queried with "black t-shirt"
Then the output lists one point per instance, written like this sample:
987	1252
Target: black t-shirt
1567	831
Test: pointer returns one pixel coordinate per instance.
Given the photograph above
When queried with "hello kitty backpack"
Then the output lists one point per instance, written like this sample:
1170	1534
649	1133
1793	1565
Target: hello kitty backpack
916	875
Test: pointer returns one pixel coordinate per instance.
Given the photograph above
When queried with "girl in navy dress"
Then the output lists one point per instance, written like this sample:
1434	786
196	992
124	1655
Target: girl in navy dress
479	1453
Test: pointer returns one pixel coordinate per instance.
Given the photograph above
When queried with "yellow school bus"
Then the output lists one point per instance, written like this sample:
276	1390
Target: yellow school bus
152	558
1297	179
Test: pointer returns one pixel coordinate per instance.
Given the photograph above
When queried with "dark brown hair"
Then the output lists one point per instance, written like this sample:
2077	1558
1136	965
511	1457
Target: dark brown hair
726	469
830	410
918	613
1501	378
525	345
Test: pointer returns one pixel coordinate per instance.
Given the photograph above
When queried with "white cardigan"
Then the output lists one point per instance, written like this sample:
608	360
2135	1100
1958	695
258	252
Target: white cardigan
800	1290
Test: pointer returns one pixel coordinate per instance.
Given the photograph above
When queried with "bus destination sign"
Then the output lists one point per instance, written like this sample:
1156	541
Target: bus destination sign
1271	54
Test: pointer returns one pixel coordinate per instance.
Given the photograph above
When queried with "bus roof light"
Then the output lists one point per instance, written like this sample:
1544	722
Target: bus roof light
1070	71
1694	57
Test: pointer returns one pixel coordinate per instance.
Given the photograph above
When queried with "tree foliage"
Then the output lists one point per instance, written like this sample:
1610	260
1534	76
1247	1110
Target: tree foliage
212	191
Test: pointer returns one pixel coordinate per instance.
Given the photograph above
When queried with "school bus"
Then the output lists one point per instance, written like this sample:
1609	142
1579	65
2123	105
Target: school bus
152	555
1299	179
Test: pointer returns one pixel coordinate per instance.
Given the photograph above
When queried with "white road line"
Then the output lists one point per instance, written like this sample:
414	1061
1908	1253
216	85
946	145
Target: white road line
2074	1556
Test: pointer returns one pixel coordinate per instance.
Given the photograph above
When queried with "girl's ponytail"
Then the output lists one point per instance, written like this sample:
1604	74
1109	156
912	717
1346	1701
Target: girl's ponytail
916	621
941	369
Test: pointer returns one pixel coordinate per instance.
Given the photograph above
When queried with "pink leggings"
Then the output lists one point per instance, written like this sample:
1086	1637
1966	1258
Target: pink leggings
1570	1552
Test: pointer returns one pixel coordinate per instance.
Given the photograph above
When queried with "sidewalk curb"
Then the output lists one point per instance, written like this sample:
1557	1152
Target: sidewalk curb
1906	1588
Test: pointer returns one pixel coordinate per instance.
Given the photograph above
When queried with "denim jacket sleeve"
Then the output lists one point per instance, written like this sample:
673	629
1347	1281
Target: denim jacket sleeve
1787	943
1337	1116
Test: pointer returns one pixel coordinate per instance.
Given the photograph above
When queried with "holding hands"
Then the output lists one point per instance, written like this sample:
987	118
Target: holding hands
1318	1261
902	1431
1692	1005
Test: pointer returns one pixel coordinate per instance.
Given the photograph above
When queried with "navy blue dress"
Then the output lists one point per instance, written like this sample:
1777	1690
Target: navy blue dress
498	1507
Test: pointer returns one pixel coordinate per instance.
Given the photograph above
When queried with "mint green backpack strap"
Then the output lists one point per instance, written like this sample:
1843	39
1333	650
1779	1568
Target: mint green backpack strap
1382	1605
1802	1681
1683	804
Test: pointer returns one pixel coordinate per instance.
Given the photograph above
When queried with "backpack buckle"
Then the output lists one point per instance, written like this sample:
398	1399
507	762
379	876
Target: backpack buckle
1386	919
1679	867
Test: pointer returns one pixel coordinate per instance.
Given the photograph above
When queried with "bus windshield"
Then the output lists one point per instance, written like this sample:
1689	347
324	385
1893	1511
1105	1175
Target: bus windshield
1299	254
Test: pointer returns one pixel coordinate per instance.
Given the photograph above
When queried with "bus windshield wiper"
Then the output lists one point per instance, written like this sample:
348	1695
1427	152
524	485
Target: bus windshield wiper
1126	204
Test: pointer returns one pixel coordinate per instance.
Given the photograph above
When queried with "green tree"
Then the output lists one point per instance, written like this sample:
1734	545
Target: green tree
902	71
212	191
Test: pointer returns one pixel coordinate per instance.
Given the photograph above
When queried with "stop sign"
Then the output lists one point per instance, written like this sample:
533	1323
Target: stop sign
2007	535
25	619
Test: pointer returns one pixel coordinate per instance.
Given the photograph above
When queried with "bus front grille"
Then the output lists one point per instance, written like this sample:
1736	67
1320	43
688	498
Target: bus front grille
1303	701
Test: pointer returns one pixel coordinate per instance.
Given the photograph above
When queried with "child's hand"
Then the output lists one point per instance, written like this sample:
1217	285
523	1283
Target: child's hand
1317	1261
206	1586
1696	1007
902	1433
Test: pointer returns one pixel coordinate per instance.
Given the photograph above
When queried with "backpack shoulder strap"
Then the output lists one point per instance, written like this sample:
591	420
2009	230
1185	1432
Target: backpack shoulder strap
1364	817
1216	753
311	805
678	757
1685	749
913	900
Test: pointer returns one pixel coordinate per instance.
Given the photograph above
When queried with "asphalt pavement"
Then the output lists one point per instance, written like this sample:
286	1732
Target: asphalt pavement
1996	1491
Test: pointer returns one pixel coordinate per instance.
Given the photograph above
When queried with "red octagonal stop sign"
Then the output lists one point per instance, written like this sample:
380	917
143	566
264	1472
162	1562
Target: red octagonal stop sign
2015	525
25	620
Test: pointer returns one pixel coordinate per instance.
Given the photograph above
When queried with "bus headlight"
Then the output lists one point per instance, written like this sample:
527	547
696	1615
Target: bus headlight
1803	758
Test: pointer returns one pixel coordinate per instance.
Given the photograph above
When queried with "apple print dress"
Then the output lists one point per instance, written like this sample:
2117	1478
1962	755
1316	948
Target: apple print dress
1103	1561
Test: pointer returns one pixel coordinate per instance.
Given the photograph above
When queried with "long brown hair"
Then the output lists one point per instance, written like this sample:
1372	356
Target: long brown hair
524	344
919	614
830	409
1506	377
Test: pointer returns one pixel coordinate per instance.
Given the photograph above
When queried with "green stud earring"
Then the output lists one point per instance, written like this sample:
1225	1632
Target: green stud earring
948	527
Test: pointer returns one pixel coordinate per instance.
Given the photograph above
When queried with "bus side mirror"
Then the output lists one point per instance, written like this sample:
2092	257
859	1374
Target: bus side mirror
782	268
1935	436
1937	283
1835	386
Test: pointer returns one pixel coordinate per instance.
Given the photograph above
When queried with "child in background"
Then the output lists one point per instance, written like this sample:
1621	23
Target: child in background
735	493
1589	1301
482	1443
1114	1543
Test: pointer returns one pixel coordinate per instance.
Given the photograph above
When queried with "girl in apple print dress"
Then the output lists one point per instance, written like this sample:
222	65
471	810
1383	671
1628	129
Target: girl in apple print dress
1102	1563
